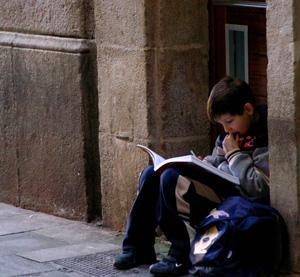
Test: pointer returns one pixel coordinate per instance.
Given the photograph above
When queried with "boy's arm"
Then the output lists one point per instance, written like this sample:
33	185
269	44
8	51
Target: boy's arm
253	171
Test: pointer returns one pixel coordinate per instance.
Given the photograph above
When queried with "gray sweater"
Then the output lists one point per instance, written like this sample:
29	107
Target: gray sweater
250	163
251	167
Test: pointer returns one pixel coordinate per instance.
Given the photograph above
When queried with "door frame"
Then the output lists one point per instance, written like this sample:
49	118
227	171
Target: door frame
249	4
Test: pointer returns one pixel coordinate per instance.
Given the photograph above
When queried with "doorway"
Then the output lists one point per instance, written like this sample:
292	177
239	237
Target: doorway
237	34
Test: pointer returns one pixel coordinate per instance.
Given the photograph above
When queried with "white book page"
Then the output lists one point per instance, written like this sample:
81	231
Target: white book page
160	162
157	159
205	165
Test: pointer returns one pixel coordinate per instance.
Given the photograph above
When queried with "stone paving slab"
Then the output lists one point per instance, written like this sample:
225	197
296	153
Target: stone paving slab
12	228
25	242
14	266
18	223
75	232
31	242
55	253
7	210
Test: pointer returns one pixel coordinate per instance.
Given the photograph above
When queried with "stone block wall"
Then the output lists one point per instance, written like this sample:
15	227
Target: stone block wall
49	118
122	80
177	114
153	86
283	42
63	18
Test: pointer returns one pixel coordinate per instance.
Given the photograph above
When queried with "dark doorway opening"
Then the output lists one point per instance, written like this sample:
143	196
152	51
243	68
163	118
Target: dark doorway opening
237	33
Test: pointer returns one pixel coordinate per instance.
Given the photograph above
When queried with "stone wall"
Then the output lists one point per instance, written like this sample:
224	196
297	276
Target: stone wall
153	85
49	121
283	42
64	18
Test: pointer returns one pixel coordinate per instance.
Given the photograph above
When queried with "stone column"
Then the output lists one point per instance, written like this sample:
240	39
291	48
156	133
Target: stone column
49	122
153	85
283	42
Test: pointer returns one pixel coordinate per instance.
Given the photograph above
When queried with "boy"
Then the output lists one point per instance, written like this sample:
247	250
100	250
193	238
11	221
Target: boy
177	203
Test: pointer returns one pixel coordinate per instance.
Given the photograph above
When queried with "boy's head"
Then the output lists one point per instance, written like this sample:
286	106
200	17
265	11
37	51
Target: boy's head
231	104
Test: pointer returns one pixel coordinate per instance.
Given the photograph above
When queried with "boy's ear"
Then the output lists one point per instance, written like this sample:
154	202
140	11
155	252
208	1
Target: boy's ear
249	108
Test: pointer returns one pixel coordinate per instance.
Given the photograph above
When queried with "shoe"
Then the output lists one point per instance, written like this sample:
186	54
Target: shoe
169	266
130	259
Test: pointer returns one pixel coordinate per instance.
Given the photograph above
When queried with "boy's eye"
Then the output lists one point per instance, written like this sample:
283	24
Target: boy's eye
228	121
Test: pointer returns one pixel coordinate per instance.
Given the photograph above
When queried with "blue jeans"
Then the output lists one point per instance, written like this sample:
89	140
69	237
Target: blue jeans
155	205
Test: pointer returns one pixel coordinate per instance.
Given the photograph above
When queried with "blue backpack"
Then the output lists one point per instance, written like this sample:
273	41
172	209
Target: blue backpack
240	238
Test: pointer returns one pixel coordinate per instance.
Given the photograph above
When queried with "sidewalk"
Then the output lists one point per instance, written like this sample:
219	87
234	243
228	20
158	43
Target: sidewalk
37	244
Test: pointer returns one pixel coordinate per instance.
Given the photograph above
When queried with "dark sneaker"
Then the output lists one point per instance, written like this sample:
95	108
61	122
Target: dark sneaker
130	259
169	266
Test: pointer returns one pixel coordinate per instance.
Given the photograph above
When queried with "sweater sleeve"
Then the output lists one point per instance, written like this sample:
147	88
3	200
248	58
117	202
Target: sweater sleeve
252	170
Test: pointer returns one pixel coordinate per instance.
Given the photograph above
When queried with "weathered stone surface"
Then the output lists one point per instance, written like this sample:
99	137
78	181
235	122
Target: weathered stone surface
297	18
152	84
184	92
50	138
122	93
123	111
146	23
48	43
183	22
8	144
16	266
67	251
24	242
49	124
283	96
120	22
121	163
183	146
69	18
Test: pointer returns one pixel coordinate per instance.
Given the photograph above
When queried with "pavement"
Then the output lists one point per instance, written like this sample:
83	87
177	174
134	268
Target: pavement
37	244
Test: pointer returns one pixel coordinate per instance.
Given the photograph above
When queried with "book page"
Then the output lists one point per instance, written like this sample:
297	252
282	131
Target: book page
156	159
194	168
182	161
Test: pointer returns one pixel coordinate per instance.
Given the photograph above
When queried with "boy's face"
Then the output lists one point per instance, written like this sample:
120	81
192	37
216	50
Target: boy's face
237	124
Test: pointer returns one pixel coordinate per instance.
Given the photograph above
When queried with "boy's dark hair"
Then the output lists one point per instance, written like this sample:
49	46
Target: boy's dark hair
228	96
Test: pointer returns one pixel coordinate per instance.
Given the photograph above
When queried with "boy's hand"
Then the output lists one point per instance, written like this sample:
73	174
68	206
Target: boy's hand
231	142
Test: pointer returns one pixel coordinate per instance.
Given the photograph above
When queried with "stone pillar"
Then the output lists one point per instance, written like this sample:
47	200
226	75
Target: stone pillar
177	114
153	85
283	42
49	121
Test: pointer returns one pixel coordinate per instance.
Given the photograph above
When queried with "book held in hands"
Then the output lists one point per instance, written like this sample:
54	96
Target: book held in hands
196	169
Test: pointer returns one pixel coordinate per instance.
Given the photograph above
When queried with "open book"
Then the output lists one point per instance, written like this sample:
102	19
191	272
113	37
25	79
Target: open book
196	169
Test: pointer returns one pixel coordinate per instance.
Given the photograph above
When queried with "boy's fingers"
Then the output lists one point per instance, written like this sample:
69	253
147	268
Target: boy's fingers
234	136
229	137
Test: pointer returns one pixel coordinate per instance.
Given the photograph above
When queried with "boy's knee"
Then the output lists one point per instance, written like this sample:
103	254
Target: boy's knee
168	183
147	172
146	175
168	179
